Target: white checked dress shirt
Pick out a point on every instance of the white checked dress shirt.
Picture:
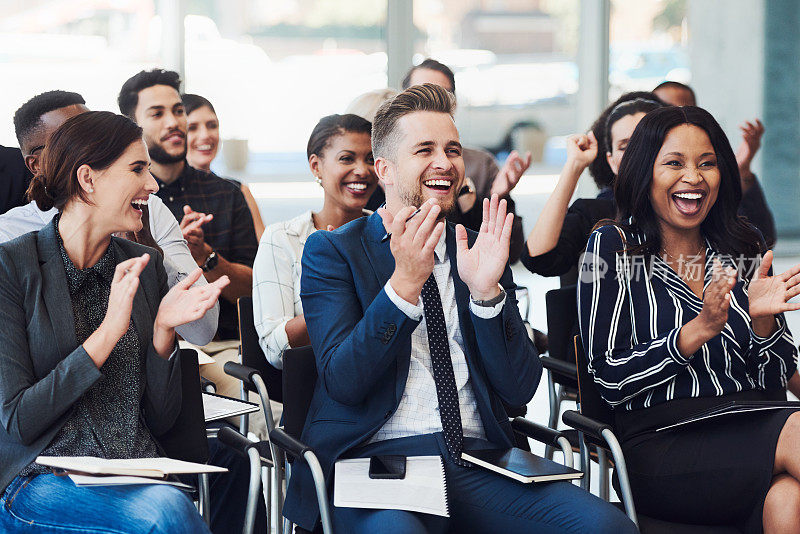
(276, 283)
(418, 411)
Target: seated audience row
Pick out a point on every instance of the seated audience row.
(405, 295)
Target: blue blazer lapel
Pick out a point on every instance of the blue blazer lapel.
(382, 262)
(379, 254)
(476, 371)
(55, 290)
(462, 291)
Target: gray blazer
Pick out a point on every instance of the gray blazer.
(43, 370)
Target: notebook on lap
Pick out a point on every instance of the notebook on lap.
(521, 465)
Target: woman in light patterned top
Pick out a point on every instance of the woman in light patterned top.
(340, 157)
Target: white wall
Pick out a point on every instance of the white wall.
(726, 41)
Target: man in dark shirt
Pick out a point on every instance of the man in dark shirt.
(14, 178)
(212, 211)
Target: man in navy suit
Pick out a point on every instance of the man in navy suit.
(418, 339)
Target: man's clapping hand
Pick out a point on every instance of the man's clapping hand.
(481, 266)
(412, 245)
(192, 229)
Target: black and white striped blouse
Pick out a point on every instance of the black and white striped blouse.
(630, 321)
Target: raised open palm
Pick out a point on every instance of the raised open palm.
(770, 295)
(481, 266)
(185, 303)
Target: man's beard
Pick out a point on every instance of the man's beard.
(159, 155)
(412, 196)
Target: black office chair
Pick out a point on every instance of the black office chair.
(562, 378)
(258, 376)
(299, 379)
(187, 440)
(595, 422)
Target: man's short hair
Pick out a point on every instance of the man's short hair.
(425, 97)
(128, 97)
(431, 64)
(670, 84)
(28, 117)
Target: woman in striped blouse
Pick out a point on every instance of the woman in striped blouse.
(680, 313)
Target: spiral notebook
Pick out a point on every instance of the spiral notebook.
(422, 490)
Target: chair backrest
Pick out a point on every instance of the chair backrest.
(252, 355)
(299, 380)
(562, 322)
(187, 440)
(591, 403)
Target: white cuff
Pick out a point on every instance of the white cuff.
(413, 312)
(486, 312)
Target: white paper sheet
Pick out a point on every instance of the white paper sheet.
(202, 357)
(217, 407)
(422, 490)
(147, 467)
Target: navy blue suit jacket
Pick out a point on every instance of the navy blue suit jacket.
(362, 343)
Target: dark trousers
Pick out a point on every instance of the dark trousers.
(482, 501)
(228, 491)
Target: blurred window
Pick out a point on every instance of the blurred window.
(87, 46)
(273, 69)
(649, 44)
(514, 62)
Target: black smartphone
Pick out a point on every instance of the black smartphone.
(387, 466)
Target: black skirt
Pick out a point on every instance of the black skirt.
(714, 472)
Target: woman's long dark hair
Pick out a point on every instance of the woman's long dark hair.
(726, 231)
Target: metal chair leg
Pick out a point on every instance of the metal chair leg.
(254, 491)
(586, 462)
(622, 474)
(322, 494)
(555, 406)
(566, 450)
(602, 479)
(205, 497)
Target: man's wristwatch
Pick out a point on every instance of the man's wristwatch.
(211, 262)
(490, 303)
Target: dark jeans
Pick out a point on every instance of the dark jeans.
(228, 491)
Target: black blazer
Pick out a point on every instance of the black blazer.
(563, 260)
(43, 370)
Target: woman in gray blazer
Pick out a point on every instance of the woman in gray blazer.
(88, 361)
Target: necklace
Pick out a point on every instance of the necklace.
(682, 258)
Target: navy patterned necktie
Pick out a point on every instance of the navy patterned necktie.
(443, 374)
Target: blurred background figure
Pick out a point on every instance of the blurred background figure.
(202, 132)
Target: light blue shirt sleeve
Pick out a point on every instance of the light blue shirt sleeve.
(178, 262)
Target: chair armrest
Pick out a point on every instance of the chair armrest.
(242, 372)
(241, 444)
(540, 433)
(207, 385)
(585, 424)
(559, 366)
(281, 439)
